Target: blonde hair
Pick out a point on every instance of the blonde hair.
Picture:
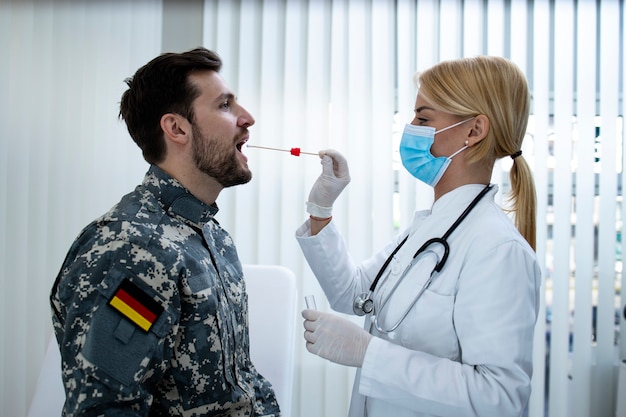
(497, 88)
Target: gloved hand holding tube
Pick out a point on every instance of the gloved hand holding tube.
(334, 338)
(334, 178)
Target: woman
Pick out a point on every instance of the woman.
(452, 302)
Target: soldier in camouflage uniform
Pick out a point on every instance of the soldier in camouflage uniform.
(149, 308)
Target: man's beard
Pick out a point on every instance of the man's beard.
(221, 164)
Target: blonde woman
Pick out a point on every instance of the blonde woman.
(451, 303)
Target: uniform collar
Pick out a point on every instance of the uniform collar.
(175, 198)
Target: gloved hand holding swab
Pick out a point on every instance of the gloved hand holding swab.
(293, 151)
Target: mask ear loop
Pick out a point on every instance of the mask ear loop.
(459, 151)
(455, 125)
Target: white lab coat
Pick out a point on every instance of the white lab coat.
(465, 349)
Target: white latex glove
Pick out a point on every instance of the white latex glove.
(335, 338)
(334, 178)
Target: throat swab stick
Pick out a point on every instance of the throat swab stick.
(293, 151)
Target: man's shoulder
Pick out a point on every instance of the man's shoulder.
(139, 207)
(138, 220)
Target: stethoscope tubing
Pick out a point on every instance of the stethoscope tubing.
(393, 290)
(443, 240)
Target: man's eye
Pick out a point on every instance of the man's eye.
(225, 105)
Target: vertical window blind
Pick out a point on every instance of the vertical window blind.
(316, 75)
(358, 66)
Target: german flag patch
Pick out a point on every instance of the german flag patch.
(136, 305)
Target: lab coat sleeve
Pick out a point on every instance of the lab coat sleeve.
(494, 315)
(340, 278)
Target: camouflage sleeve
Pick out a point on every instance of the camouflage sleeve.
(117, 336)
(266, 404)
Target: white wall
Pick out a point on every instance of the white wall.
(64, 156)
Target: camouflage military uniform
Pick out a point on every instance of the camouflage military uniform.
(151, 314)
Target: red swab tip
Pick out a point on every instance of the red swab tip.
(295, 151)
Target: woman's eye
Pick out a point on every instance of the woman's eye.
(225, 105)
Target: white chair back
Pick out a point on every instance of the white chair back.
(273, 303)
(49, 393)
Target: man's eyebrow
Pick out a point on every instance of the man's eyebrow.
(422, 108)
(225, 96)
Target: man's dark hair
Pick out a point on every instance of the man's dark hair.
(159, 87)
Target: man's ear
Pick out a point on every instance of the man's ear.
(176, 128)
(479, 129)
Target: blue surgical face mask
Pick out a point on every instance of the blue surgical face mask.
(415, 153)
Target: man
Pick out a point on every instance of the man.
(149, 307)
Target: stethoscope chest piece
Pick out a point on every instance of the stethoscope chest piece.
(363, 304)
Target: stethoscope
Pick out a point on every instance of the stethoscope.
(364, 303)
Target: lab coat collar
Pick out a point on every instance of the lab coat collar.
(453, 201)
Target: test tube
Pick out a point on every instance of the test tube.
(310, 302)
